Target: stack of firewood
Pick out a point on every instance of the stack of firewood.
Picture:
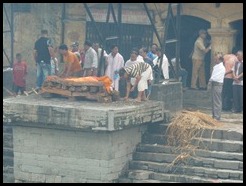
(88, 87)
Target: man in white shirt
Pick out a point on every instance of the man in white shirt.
(165, 64)
(115, 62)
(100, 54)
(216, 83)
(91, 60)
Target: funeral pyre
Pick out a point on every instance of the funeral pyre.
(93, 88)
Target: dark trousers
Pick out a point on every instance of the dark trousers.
(18, 88)
(237, 98)
(227, 95)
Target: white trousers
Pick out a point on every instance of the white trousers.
(145, 76)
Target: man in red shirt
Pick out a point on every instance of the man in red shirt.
(19, 74)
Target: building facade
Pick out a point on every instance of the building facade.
(67, 23)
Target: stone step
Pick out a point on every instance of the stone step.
(171, 178)
(184, 170)
(197, 98)
(198, 152)
(219, 133)
(141, 176)
(226, 116)
(127, 180)
(202, 143)
(190, 161)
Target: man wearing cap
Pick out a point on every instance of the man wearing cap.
(198, 69)
(91, 60)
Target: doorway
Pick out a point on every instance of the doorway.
(189, 28)
(238, 25)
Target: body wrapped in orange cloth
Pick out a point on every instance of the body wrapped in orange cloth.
(80, 81)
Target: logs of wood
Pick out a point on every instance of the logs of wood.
(88, 87)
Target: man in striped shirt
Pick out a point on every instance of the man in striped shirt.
(142, 72)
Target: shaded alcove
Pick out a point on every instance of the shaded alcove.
(238, 25)
(189, 28)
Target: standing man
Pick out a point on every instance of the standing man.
(72, 65)
(164, 67)
(42, 57)
(152, 53)
(198, 69)
(19, 74)
(75, 49)
(216, 82)
(101, 55)
(229, 62)
(90, 61)
(114, 63)
(237, 84)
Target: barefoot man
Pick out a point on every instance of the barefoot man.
(142, 72)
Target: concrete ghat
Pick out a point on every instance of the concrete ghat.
(60, 112)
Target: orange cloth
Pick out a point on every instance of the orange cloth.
(107, 82)
(70, 57)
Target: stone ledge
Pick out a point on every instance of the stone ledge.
(81, 114)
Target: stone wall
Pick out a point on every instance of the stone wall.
(7, 82)
(56, 140)
(60, 156)
(170, 94)
(8, 154)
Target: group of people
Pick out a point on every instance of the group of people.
(88, 62)
(226, 80)
(226, 84)
(134, 77)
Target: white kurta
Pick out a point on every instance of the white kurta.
(114, 65)
(164, 67)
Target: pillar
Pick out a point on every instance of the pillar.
(223, 40)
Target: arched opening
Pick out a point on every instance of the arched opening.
(238, 25)
(189, 28)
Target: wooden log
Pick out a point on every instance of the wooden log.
(72, 88)
(64, 87)
(9, 92)
(56, 91)
(104, 99)
(93, 89)
(34, 91)
(84, 88)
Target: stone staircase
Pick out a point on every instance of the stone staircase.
(218, 159)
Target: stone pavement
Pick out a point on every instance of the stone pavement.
(200, 101)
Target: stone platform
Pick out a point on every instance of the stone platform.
(78, 114)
